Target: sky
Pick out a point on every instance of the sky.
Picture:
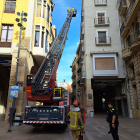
(59, 16)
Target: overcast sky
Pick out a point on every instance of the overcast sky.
(59, 16)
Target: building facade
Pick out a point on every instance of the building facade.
(35, 44)
(129, 12)
(100, 71)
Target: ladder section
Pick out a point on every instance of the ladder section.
(40, 84)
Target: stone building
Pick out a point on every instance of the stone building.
(98, 65)
(129, 12)
(35, 44)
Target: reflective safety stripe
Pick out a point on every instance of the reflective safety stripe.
(47, 122)
(75, 119)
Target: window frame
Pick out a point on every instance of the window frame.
(35, 38)
(10, 11)
(6, 44)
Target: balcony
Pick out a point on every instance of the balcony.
(134, 42)
(126, 54)
(103, 41)
(73, 68)
(122, 8)
(5, 44)
(132, 76)
(80, 58)
(73, 83)
(123, 30)
(79, 67)
(132, 12)
(81, 77)
(73, 75)
(100, 2)
(138, 32)
(82, 33)
(101, 21)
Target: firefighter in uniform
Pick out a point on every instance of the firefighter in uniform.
(76, 123)
(112, 119)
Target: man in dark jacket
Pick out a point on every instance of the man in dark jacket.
(112, 119)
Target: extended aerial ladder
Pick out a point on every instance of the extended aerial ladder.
(41, 87)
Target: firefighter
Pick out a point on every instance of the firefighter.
(76, 123)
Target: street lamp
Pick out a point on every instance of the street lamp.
(21, 28)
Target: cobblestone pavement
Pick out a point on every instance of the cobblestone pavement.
(95, 129)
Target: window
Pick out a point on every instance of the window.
(101, 18)
(37, 38)
(10, 6)
(42, 40)
(39, 1)
(44, 10)
(38, 13)
(6, 35)
(46, 41)
(102, 37)
(48, 13)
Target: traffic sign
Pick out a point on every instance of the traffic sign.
(14, 91)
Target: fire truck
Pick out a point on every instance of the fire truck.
(41, 87)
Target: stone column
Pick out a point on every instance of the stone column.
(89, 102)
(25, 65)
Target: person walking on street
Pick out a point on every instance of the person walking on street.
(76, 123)
(112, 119)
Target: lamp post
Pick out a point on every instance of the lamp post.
(21, 28)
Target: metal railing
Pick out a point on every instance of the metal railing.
(104, 40)
(122, 3)
(133, 39)
(138, 29)
(5, 43)
(100, 21)
(73, 83)
(100, 1)
(122, 28)
(10, 7)
(129, 9)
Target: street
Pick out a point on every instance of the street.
(95, 129)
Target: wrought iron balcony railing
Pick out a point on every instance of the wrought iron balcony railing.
(138, 30)
(103, 40)
(101, 21)
(122, 28)
(133, 39)
(129, 9)
(122, 3)
(5, 43)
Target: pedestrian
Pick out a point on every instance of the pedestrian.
(76, 123)
(112, 119)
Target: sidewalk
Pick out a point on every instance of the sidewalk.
(97, 129)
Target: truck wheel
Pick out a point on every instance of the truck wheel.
(64, 126)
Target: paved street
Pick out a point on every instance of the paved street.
(96, 129)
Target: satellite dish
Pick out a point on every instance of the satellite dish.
(17, 19)
(18, 13)
(25, 19)
(25, 14)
